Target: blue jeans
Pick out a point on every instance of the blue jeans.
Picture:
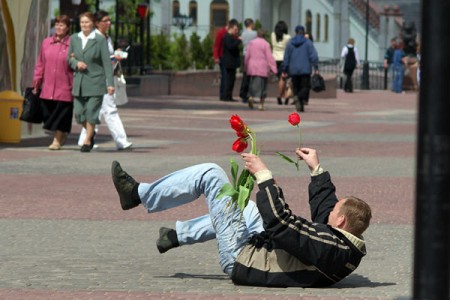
(398, 79)
(186, 185)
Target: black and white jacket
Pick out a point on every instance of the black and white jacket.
(293, 251)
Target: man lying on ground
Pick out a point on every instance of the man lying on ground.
(266, 244)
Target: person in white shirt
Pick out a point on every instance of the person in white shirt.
(109, 108)
(351, 61)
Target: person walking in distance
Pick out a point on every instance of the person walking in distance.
(280, 39)
(54, 78)
(259, 62)
(93, 76)
(109, 108)
(300, 58)
(218, 53)
(351, 60)
(388, 59)
(247, 35)
(231, 58)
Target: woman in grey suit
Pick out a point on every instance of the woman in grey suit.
(93, 76)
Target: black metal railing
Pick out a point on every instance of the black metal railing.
(377, 74)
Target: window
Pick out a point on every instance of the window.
(325, 35)
(175, 8)
(308, 24)
(218, 15)
(193, 12)
(317, 27)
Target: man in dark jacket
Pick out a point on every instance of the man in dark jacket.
(231, 59)
(266, 244)
(300, 57)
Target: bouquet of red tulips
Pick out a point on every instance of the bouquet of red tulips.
(241, 188)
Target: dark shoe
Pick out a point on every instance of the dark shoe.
(86, 148)
(298, 104)
(229, 100)
(286, 101)
(279, 101)
(244, 100)
(167, 239)
(250, 102)
(126, 186)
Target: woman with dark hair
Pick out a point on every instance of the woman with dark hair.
(54, 78)
(90, 59)
(280, 39)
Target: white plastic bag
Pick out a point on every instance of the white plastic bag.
(120, 94)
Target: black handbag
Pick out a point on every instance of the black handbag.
(31, 108)
(317, 83)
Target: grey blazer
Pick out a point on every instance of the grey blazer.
(98, 75)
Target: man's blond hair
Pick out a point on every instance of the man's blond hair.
(357, 213)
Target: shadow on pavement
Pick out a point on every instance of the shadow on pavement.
(358, 281)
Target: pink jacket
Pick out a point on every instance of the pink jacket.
(258, 58)
(52, 72)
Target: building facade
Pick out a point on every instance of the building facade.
(331, 22)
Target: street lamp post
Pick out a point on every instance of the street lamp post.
(182, 21)
(365, 75)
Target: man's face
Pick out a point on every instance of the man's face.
(234, 30)
(335, 217)
(394, 44)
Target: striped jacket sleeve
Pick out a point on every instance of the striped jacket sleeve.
(312, 243)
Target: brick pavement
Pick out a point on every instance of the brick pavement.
(64, 235)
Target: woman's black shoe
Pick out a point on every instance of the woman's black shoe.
(279, 101)
(286, 101)
(86, 148)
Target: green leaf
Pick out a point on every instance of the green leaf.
(234, 171)
(244, 195)
(286, 158)
(227, 190)
(243, 178)
(250, 183)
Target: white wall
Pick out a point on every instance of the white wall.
(358, 33)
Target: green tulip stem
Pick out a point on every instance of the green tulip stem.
(253, 142)
(299, 136)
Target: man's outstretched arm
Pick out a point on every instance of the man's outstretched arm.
(322, 192)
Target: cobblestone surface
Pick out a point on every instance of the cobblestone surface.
(64, 235)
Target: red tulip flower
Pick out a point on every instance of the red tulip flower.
(294, 119)
(240, 145)
(237, 124)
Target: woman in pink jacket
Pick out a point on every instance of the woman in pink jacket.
(258, 64)
(53, 77)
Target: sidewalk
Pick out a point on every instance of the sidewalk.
(64, 235)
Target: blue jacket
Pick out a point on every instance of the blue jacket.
(300, 56)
